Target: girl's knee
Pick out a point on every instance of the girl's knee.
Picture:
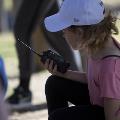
(50, 81)
(51, 84)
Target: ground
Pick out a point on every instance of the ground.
(37, 115)
(37, 88)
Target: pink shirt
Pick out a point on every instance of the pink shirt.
(103, 79)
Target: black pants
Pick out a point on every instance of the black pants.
(60, 91)
(25, 23)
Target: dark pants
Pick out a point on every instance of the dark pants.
(26, 20)
(60, 91)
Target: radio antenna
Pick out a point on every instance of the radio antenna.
(29, 48)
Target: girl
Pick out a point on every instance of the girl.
(95, 94)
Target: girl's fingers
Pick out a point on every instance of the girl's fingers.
(55, 69)
(51, 65)
(47, 64)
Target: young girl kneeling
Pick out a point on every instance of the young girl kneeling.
(96, 93)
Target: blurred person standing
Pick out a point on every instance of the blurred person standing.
(25, 23)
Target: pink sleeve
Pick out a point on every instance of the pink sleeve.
(110, 79)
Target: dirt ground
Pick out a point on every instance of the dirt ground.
(37, 88)
(37, 115)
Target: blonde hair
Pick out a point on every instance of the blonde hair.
(96, 36)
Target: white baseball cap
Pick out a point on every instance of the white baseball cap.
(76, 12)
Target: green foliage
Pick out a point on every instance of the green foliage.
(8, 53)
(7, 45)
(8, 4)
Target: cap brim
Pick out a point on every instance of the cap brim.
(56, 23)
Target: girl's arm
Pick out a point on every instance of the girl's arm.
(112, 109)
(72, 75)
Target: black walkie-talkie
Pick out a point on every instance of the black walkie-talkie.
(62, 65)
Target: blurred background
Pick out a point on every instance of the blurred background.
(8, 12)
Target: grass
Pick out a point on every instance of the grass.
(7, 45)
(8, 53)
(8, 4)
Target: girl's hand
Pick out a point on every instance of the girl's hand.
(71, 75)
(52, 67)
